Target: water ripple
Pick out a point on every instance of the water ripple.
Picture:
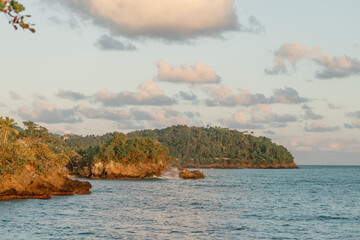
(308, 203)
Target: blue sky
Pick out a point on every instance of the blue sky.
(288, 70)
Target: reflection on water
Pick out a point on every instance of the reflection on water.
(306, 203)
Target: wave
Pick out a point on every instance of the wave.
(170, 173)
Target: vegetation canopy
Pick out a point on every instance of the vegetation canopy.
(121, 149)
(15, 156)
(199, 146)
(33, 147)
(13, 11)
(7, 127)
(192, 147)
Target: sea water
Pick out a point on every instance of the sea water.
(313, 202)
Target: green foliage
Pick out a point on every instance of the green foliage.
(13, 9)
(15, 156)
(132, 150)
(34, 131)
(80, 143)
(217, 145)
(7, 128)
(121, 149)
(34, 146)
(37, 133)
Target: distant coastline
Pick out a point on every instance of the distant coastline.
(239, 166)
(36, 163)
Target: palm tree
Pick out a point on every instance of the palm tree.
(7, 127)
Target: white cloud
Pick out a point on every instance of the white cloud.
(309, 114)
(161, 19)
(14, 95)
(197, 73)
(188, 96)
(102, 113)
(333, 106)
(223, 96)
(356, 122)
(311, 143)
(71, 95)
(148, 93)
(320, 127)
(157, 118)
(269, 132)
(330, 66)
(256, 117)
(291, 53)
(48, 113)
(337, 67)
(108, 43)
(287, 96)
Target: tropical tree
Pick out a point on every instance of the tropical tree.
(7, 128)
(13, 11)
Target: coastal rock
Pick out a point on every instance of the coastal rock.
(196, 174)
(118, 170)
(29, 184)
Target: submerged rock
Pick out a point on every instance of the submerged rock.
(196, 174)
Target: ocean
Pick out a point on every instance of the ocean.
(312, 202)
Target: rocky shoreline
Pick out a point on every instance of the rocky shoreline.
(120, 171)
(29, 184)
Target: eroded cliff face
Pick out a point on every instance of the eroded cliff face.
(116, 170)
(29, 184)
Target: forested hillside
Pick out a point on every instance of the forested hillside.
(219, 147)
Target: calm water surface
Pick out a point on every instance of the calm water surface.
(306, 203)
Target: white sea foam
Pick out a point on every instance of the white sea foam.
(171, 173)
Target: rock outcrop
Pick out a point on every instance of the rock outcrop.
(124, 158)
(29, 184)
(196, 174)
(118, 170)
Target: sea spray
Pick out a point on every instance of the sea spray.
(171, 173)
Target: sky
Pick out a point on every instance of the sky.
(287, 70)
